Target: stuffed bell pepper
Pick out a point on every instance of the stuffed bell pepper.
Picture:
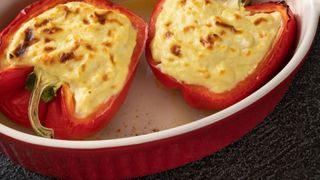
(217, 52)
(66, 65)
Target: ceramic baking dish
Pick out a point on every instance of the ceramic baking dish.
(155, 130)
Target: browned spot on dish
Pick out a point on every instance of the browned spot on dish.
(107, 44)
(77, 11)
(183, 2)
(259, 21)
(207, 2)
(176, 50)
(225, 25)
(67, 11)
(28, 40)
(188, 28)
(83, 67)
(222, 72)
(11, 56)
(52, 30)
(85, 21)
(66, 57)
(47, 40)
(89, 47)
(167, 24)
(222, 33)
(247, 52)
(28, 35)
(209, 40)
(105, 77)
(209, 25)
(168, 34)
(101, 18)
(42, 23)
(110, 33)
(237, 16)
(112, 59)
(49, 49)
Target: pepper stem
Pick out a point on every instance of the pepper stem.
(33, 109)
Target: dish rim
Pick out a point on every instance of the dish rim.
(301, 51)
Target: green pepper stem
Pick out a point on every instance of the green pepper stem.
(33, 109)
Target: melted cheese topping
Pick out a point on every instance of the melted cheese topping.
(78, 44)
(211, 44)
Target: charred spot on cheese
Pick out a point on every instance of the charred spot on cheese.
(259, 21)
(49, 49)
(107, 44)
(112, 59)
(52, 30)
(83, 67)
(188, 28)
(104, 18)
(229, 42)
(183, 2)
(101, 17)
(168, 24)
(237, 16)
(85, 21)
(168, 34)
(80, 45)
(11, 56)
(225, 25)
(28, 40)
(209, 40)
(89, 47)
(67, 11)
(66, 57)
(47, 40)
(105, 77)
(42, 23)
(176, 50)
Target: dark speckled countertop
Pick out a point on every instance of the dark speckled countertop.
(285, 146)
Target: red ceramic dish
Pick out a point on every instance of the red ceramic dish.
(178, 142)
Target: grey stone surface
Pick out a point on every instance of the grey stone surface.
(285, 146)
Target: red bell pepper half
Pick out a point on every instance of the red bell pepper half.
(57, 118)
(201, 97)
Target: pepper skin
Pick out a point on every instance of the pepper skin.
(59, 114)
(201, 97)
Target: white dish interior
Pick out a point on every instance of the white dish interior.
(152, 111)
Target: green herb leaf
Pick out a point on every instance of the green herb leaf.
(31, 80)
(48, 94)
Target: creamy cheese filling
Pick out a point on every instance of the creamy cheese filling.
(80, 45)
(210, 43)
